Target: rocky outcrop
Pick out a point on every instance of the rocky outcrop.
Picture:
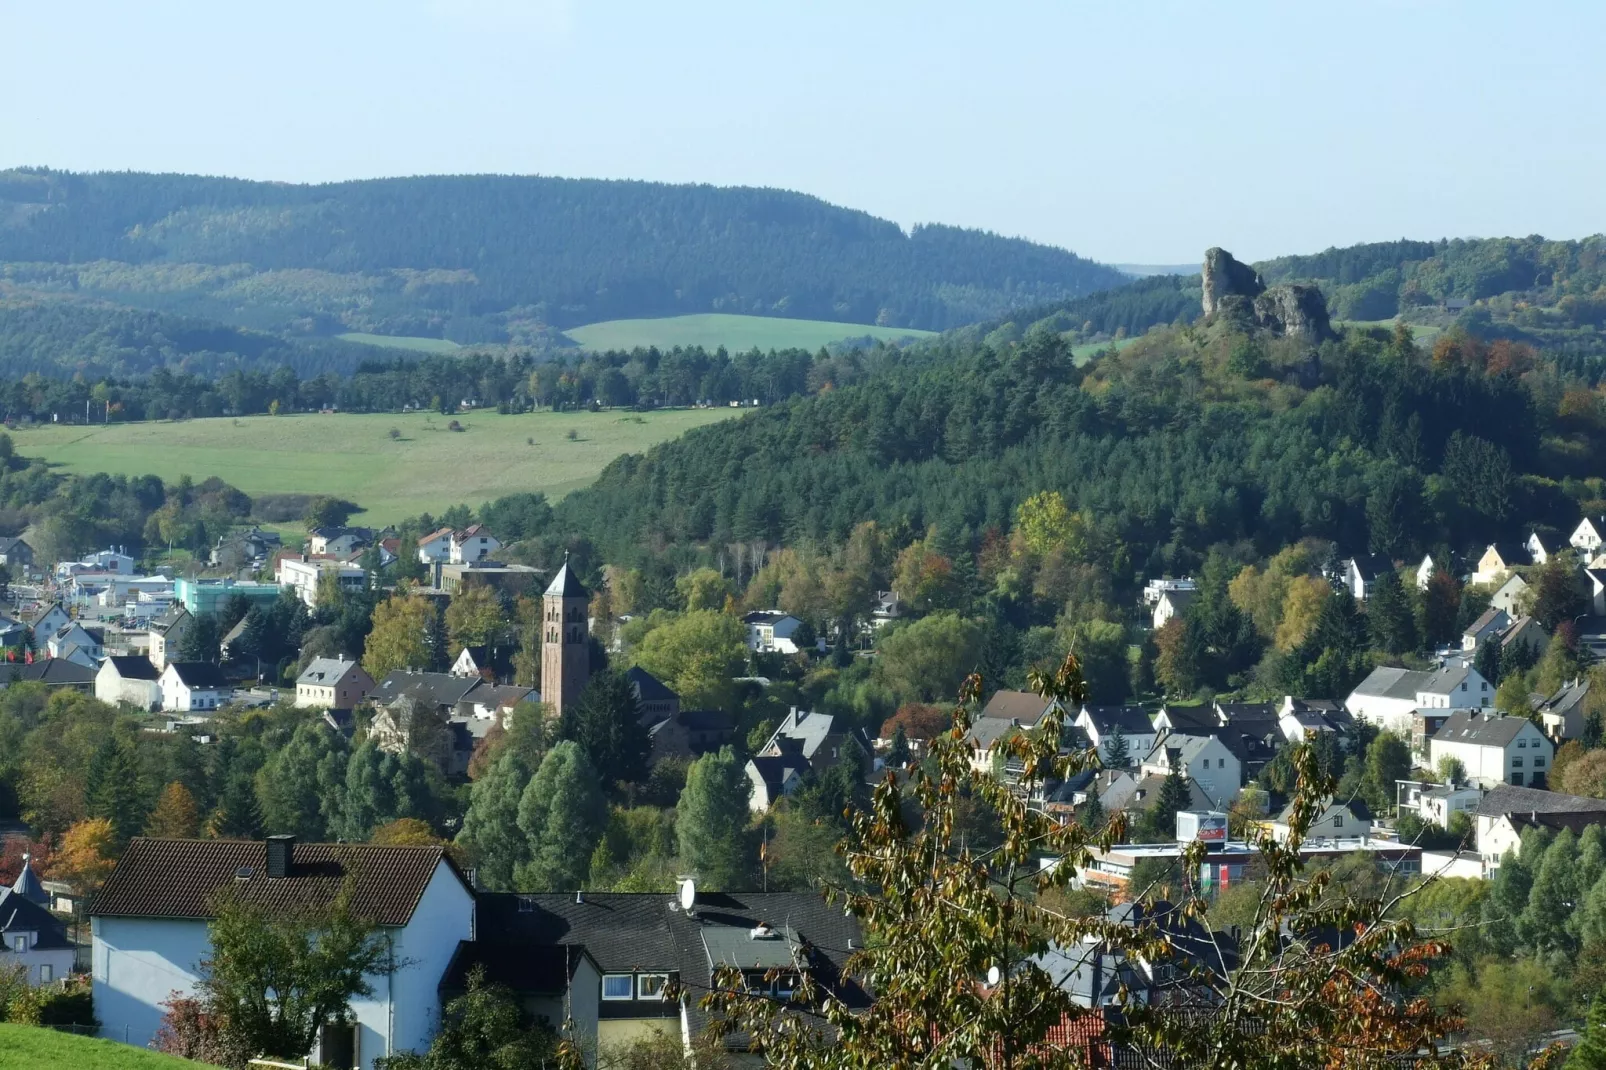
(1224, 276)
(1234, 289)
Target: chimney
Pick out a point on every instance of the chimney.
(281, 855)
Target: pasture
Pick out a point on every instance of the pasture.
(424, 468)
(399, 341)
(737, 334)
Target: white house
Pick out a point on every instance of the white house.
(1425, 571)
(193, 686)
(130, 680)
(337, 542)
(149, 927)
(1436, 803)
(1563, 713)
(1589, 535)
(50, 621)
(1337, 820)
(1508, 593)
(1537, 549)
(1488, 626)
(1301, 719)
(1595, 583)
(1494, 749)
(1203, 759)
(1155, 588)
(770, 631)
(1498, 561)
(435, 547)
(30, 936)
(472, 544)
(1134, 723)
(166, 633)
(1172, 602)
(332, 683)
(1508, 810)
(1389, 696)
(805, 742)
(303, 575)
(77, 644)
(1360, 573)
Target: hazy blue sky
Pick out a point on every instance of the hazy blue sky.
(1124, 130)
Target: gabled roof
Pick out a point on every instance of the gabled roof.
(132, 668)
(54, 672)
(438, 533)
(1354, 806)
(178, 878)
(1188, 748)
(1134, 720)
(1511, 553)
(18, 914)
(172, 616)
(648, 687)
(1567, 697)
(1371, 566)
(775, 770)
(1512, 799)
(567, 584)
(1239, 712)
(440, 688)
(1022, 706)
(804, 730)
(1480, 730)
(1405, 684)
(1190, 719)
(323, 672)
(198, 675)
(1489, 618)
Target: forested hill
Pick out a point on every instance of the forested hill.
(491, 253)
(1182, 440)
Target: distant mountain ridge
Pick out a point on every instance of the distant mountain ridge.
(493, 258)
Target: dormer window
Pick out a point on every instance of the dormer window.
(618, 986)
(19, 944)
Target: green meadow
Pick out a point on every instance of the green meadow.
(738, 334)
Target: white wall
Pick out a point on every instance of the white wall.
(1218, 774)
(138, 964)
(444, 916)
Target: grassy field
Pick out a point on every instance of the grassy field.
(426, 469)
(398, 341)
(737, 334)
(25, 1047)
(1084, 352)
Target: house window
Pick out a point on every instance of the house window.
(1463, 686)
(1516, 763)
(1539, 763)
(1338, 821)
(786, 984)
(618, 986)
(19, 944)
(1522, 743)
(651, 985)
(46, 973)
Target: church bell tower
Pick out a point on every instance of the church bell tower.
(565, 640)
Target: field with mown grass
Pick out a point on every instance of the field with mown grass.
(425, 468)
(737, 334)
(26, 1047)
(401, 341)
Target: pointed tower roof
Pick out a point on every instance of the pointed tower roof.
(566, 583)
(27, 885)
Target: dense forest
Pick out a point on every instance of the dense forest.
(500, 258)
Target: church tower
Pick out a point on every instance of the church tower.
(565, 640)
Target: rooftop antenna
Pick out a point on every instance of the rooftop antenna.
(688, 895)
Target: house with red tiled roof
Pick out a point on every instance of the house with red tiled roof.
(149, 926)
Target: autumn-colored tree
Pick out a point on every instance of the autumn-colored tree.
(176, 816)
(918, 720)
(474, 618)
(399, 639)
(703, 588)
(924, 578)
(1176, 660)
(1303, 603)
(406, 832)
(87, 856)
(1046, 524)
(1583, 775)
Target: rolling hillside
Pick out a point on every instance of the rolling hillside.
(500, 258)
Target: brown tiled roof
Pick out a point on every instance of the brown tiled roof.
(178, 878)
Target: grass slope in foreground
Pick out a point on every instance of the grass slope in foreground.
(738, 334)
(401, 341)
(24, 1047)
(352, 456)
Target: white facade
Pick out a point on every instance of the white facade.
(138, 963)
(472, 544)
(180, 697)
(1207, 762)
(1171, 604)
(772, 632)
(1336, 821)
(1589, 535)
(1536, 546)
(303, 577)
(1424, 572)
(1506, 596)
(1389, 697)
(1525, 759)
(1137, 743)
(113, 688)
(43, 965)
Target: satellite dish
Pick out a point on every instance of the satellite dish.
(688, 894)
(993, 976)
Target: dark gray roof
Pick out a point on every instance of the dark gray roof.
(1511, 799)
(19, 914)
(325, 671)
(1405, 684)
(440, 688)
(1371, 566)
(1023, 706)
(53, 672)
(567, 584)
(1567, 697)
(1238, 712)
(133, 668)
(1134, 720)
(1512, 553)
(29, 886)
(987, 731)
(1190, 719)
(199, 674)
(648, 687)
(1483, 730)
(1487, 619)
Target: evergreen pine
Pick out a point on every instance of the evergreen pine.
(303, 782)
(202, 640)
(1116, 749)
(1174, 798)
(562, 815)
(237, 816)
(1092, 814)
(1487, 662)
(112, 788)
(711, 820)
(898, 750)
(606, 723)
(1590, 1054)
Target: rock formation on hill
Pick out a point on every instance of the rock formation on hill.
(1294, 310)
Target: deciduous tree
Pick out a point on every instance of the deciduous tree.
(711, 821)
(562, 815)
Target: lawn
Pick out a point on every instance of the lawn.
(400, 341)
(425, 469)
(738, 334)
(24, 1047)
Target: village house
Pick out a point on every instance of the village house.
(16, 555)
(691, 734)
(1425, 571)
(1134, 723)
(332, 683)
(166, 633)
(1155, 588)
(1335, 819)
(655, 699)
(51, 673)
(804, 743)
(1509, 594)
(1435, 803)
(1595, 584)
(1097, 974)
(341, 542)
(887, 608)
(1488, 626)
(1499, 560)
(1301, 719)
(1493, 749)
(1508, 810)
(193, 687)
(1171, 602)
(483, 663)
(1360, 573)
(511, 580)
(149, 926)
(1389, 696)
(449, 546)
(770, 631)
(1563, 712)
(305, 575)
(76, 643)
(1539, 547)
(1589, 535)
(131, 681)
(1205, 760)
(31, 938)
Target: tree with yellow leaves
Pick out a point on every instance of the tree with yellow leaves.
(176, 816)
(87, 855)
(400, 636)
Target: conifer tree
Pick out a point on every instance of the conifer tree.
(1590, 1054)
(562, 814)
(175, 816)
(606, 722)
(300, 787)
(237, 816)
(1174, 798)
(1116, 749)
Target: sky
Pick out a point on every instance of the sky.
(1131, 131)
